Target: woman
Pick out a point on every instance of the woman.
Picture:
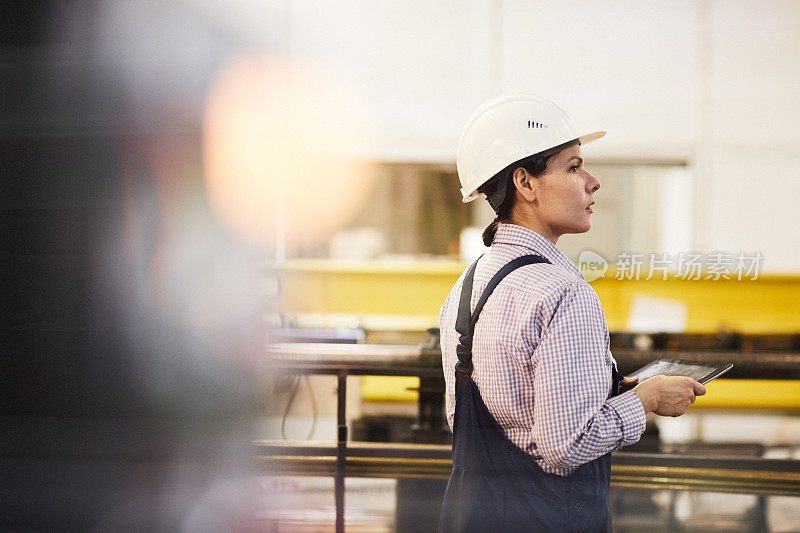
(535, 402)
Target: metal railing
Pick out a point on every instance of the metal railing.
(344, 458)
(633, 470)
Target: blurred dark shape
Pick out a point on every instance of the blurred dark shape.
(126, 357)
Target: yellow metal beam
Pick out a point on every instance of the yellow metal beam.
(762, 394)
(414, 288)
(408, 294)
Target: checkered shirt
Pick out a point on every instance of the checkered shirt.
(541, 357)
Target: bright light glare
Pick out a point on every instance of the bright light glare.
(281, 151)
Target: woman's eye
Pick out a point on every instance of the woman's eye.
(574, 168)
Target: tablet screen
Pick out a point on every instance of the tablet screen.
(698, 371)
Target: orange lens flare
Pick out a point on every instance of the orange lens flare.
(283, 151)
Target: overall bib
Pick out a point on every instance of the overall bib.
(496, 486)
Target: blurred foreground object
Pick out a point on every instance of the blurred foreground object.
(128, 315)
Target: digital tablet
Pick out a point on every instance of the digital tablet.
(697, 370)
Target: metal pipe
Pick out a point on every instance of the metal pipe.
(341, 448)
(649, 471)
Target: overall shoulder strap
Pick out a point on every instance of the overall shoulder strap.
(466, 320)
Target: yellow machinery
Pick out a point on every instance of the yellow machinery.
(406, 296)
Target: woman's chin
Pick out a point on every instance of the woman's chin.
(583, 228)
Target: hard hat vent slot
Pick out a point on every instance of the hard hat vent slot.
(534, 124)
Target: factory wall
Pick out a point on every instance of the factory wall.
(711, 84)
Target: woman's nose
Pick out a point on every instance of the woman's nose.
(592, 183)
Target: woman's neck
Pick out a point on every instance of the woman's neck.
(530, 221)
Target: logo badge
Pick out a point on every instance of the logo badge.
(592, 265)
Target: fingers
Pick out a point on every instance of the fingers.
(699, 389)
(669, 396)
(680, 407)
(678, 394)
(627, 384)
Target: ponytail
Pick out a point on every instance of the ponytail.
(488, 233)
(504, 209)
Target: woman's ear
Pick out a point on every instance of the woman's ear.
(525, 184)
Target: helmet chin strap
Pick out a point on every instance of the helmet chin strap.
(497, 198)
(533, 164)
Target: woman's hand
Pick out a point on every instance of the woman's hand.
(668, 395)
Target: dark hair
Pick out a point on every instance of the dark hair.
(535, 168)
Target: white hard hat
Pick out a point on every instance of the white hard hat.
(505, 130)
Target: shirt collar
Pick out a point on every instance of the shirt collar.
(520, 236)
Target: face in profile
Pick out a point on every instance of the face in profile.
(564, 194)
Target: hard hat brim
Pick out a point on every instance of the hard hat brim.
(591, 137)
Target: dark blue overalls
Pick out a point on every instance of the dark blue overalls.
(494, 485)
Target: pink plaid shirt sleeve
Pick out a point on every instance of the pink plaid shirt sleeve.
(541, 357)
(574, 421)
